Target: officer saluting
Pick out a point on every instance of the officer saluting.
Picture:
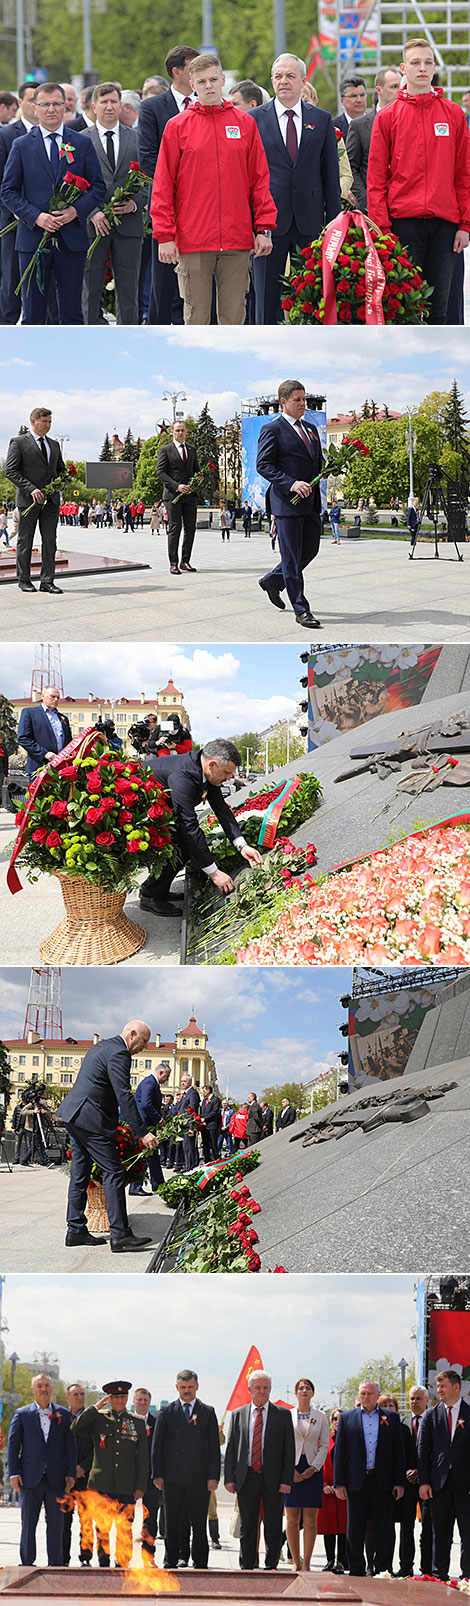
(120, 1467)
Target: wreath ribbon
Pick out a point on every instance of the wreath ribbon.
(79, 747)
(272, 816)
(334, 237)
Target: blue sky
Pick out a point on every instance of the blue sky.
(284, 1026)
(110, 378)
(227, 689)
(326, 1327)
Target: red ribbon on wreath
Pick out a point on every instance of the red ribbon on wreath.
(79, 746)
(334, 237)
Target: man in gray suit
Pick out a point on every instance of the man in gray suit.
(32, 462)
(259, 1466)
(116, 148)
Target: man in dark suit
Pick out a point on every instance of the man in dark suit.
(10, 308)
(35, 171)
(369, 1471)
(148, 1098)
(387, 84)
(406, 1510)
(151, 1499)
(353, 97)
(187, 1104)
(259, 1466)
(32, 461)
(254, 1125)
(286, 1115)
(85, 118)
(41, 1466)
(210, 1114)
(302, 155)
(186, 1466)
(444, 1471)
(43, 731)
(100, 1095)
(176, 464)
(289, 457)
(268, 1119)
(76, 1401)
(190, 777)
(165, 305)
(116, 148)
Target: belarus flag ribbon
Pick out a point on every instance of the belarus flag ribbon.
(333, 239)
(272, 816)
(79, 747)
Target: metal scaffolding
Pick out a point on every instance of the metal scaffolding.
(367, 982)
(47, 667)
(44, 1006)
(393, 22)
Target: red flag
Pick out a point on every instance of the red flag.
(240, 1394)
(313, 56)
(449, 1336)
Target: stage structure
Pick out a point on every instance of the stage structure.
(383, 1023)
(373, 34)
(253, 414)
(44, 1006)
(349, 685)
(47, 667)
(443, 1329)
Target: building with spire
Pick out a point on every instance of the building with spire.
(125, 711)
(33, 1058)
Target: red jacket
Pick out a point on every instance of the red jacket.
(419, 161)
(211, 184)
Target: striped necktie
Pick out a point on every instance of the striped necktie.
(257, 1443)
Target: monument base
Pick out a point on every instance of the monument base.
(91, 1583)
(68, 565)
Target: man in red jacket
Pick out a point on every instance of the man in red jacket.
(418, 179)
(211, 204)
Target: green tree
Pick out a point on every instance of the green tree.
(7, 725)
(277, 748)
(293, 1091)
(248, 745)
(147, 483)
(127, 454)
(106, 453)
(205, 439)
(383, 1371)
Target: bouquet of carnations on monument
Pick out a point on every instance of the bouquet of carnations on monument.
(259, 816)
(58, 484)
(71, 187)
(349, 276)
(135, 181)
(93, 819)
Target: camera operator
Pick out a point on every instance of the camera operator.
(18, 1122)
(36, 1115)
(107, 730)
(189, 778)
(169, 736)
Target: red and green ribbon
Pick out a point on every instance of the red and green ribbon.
(272, 816)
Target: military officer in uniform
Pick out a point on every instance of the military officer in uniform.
(119, 1472)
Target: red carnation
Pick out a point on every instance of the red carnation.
(288, 303)
(75, 178)
(254, 1262)
(339, 133)
(53, 840)
(19, 817)
(68, 773)
(345, 312)
(156, 811)
(93, 816)
(59, 810)
(125, 817)
(105, 839)
(155, 838)
(71, 470)
(134, 847)
(40, 835)
(134, 167)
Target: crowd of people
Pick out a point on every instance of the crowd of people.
(225, 213)
(354, 1478)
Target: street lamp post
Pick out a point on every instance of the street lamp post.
(410, 411)
(174, 396)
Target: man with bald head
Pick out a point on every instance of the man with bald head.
(43, 731)
(91, 1111)
(302, 155)
(369, 1472)
(41, 1467)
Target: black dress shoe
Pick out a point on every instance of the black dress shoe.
(308, 621)
(129, 1246)
(135, 1237)
(273, 594)
(74, 1239)
(169, 910)
(26, 585)
(174, 568)
(187, 568)
(51, 587)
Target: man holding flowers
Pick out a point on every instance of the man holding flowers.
(37, 170)
(32, 462)
(116, 149)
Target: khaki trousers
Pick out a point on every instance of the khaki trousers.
(232, 276)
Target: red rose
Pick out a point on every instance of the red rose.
(19, 817)
(254, 1262)
(105, 839)
(93, 816)
(361, 314)
(343, 286)
(68, 772)
(53, 840)
(155, 837)
(134, 167)
(75, 178)
(94, 781)
(156, 811)
(122, 786)
(355, 265)
(40, 835)
(255, 1208)
(306, 307)
(125, 817)
(345, 312)
(134, 847)
(59, 810)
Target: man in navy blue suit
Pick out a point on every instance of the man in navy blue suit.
(155, 112)
(100, 1096)
(369, 1472)
(9, 303)
(148, 1099)
(444, 1471)
(41, 1466)
(43, 731)
(35, 170)
(302, 155)
(289, 457)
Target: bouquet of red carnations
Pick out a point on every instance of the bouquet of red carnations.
(347, 276)
(71, 187)
(135, 181)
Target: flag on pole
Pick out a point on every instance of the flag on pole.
(313, 56)
(240, 1394)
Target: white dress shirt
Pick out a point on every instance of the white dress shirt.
(103, 133)
(283, 119)
(58, 135)
(455, 1409)
(38, 439)
(253, 1417)
(45, 1420)
(180, 99)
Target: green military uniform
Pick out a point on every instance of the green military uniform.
(120, 1466)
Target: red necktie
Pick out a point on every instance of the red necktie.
(305, 437)
(292, 144)
(184, 453)
(186, 102)
(257, 1444)
(416, 1428)
(449, 1423)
